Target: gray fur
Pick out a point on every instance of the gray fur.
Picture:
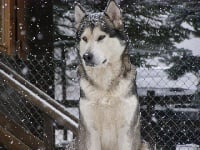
(126, 74)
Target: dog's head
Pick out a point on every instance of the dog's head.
(102, 39)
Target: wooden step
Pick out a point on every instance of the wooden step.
(10, 141)
(11, 133)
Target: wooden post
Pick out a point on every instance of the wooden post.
(49, 136)
(9, 26)
(21, 41)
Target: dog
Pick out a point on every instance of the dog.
(109, 107)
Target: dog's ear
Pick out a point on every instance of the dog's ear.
(79, 14)
(114, 13)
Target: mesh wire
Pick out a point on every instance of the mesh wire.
(167, 120)
(170, 115)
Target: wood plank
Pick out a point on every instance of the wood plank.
(20, 132)
(10, 141)
(1, 23)
(9, 26)
(21, 40)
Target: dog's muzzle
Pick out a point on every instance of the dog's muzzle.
(90, 60)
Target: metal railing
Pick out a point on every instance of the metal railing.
(42, 106)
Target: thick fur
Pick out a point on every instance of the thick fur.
(109, 108)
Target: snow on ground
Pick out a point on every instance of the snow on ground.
(60, 140)
(193, 44)
(187, 147)
(157, 80)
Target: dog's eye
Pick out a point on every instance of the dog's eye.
(101, 37)
(84, 38)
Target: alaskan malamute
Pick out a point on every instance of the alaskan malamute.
(109, 108)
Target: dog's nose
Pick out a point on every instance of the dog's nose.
(88, 57)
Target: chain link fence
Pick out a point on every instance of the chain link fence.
(170, 108)
(170, 115)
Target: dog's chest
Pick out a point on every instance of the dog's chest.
(109, 111)
(105, 108)
(107, 118)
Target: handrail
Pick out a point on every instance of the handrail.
(36, 90)
(39, 100)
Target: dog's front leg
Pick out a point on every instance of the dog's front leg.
(91, 141)
(124, 139)
(91, 135)
(94, 140)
